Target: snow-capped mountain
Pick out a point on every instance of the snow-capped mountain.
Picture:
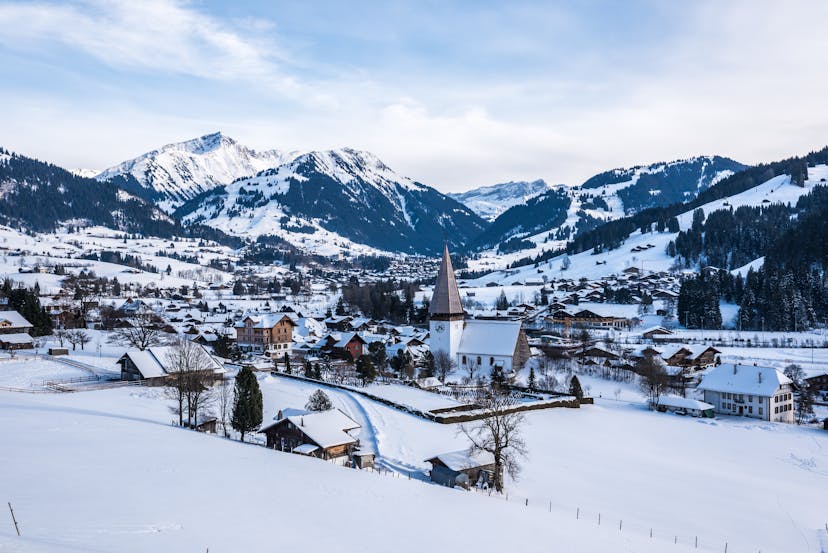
(178, 172)
(549, 220)
(491, 201)
(337, 198)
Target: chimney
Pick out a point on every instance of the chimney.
(302, 421)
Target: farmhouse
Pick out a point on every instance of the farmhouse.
(271, 334)
(691, 355)
(155, 364)
(462, 468)
(745, 390)
(326, 434)
(471, 343)
(14, 331)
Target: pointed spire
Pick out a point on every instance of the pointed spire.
(446, 299)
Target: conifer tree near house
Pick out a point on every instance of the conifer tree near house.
(247, 403)
(575, 387)
(531, 381)
(319, 401)
(288, 370)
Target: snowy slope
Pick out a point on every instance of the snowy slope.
(336, 197)
(105, 471)
(491, 201)
(776, 190)
(604, 197)
(85, 173)
(177, 172)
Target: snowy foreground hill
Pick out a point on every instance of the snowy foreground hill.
(105, 471)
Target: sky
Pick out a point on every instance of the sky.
(452, 94)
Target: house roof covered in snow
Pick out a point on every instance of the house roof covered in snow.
(490, 337)
(463, 459)
(684, 403)
(16, 338)
(744, 379)
(325, 428)
(156, 362)
(14, 319)
(268, 320)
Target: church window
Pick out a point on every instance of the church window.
(464, 359)
(491, 360)
(478, 360)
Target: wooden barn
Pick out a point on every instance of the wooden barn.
(462, 468)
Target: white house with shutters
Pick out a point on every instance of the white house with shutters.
(749, 391)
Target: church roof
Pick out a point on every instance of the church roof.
(446, 297)
(481, 337)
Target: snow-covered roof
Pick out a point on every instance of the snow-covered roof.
(14, 318)
(268, 320)
(464, 459)
(684, 403)
(489, 337)
(325, 428)
(155, 362)
(16, 338)
(305, 449)
(744, 379)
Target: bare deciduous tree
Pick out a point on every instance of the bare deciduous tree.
(143, 332)
(443, 364)
(190, 380)
(77, 337)
(500, 436)
(654, 378)
(224, 398)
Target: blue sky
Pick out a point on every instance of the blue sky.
(454, 94)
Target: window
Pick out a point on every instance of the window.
(760, 411)
(776, 409)
(491, 360)
(478, 360)
(750, 410)
(750, 399)
(464, 359)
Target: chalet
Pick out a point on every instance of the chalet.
(157, 363)
(462, 468)
(341, 323)
(691, 355)
(270, 334)
(326, 434)
(587, 319)
(12, 322)
(818, 382)
(350, 344)
(132, 306)
(750, 391)
(14, 331)
(656, 330)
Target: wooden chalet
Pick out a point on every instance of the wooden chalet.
(325, 434)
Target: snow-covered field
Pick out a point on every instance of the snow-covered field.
(105, 471)
(27, 373)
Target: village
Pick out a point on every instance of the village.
(331, 378)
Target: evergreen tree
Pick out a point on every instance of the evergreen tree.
(502, 304)
(365, 369)
(575, 387)
(498, 378)
(531, 382)
(427, 365)
(247, 403)
(288, 370)
(308, 369)
(319, 401)
(238, 288)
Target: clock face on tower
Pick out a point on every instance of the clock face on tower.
(439, 327)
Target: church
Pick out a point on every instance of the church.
(480, 345)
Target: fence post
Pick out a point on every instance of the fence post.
(527, 504)
(697, 542)
(599, 519)
(651, 533)
(621, 524)
(725, 547)
(14, 520)
(578, 513)
(550, 506)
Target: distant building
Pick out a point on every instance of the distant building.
(746, 390)
(270, 334)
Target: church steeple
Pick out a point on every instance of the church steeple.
(445, 302)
